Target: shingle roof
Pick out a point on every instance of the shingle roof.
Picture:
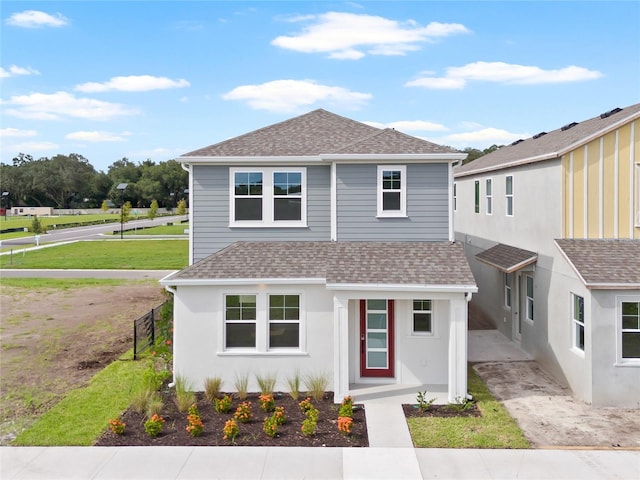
(552, 144)
(362, 263)
(507, 258)
(315, 133)
(604, 263)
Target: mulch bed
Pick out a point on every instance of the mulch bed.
(412, 411)
(251, 434)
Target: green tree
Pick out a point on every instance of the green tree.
(153, 209)
(182, 206)
(36, 226)
(125, 212)
(105, 206)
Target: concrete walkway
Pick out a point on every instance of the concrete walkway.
(282, 463)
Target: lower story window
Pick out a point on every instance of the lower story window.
(284, 321)
(507, 290)
(422, 317)
(240, 321)
(529, 286)
(630, 330)
(577, 307)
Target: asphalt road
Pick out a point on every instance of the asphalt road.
(90, 232)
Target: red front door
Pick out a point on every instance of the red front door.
(376, 338)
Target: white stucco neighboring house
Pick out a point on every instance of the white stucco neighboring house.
(551, 228)
(321, 245)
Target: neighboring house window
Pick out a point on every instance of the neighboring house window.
(268, 197)
(477, 196)
(284, 321)
(529, 282)
(392, 191)
(630, 331)
(509, 195)
(422, 317)
(455, 197)
(577, 316)
(489, 196)
(507, 290)
(240, 321)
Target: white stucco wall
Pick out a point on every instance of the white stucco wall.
(198, 342)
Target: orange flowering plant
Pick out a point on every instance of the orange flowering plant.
(195, 426)
(230, 430)
(243, 412)
(153, 426)
(117, 426)
(267, 403)
(345, 424)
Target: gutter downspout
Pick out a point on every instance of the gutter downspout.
(188, 168)
(173, 291)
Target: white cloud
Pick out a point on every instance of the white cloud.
(289, 95)
(132, 83)
(481, 138)
(42, 106)
(36, 19)
(14, 132)
(500, 72)
(14, 70)
(97, 136)
(411, 126)
(347, 36)
(34, 147)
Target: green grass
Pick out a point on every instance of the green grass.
(84, 413)
(494, 429)
(18, 222)
(159, 230)
(33, 283)
(106, 254)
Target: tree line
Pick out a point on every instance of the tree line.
(70, 181)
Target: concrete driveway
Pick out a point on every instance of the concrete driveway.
(546, 411)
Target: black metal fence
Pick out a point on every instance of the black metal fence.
(144, 331)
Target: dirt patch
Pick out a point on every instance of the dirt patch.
(549, 415)
(251, 434)
(55, 340)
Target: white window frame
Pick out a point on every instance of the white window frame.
(262, 323)
(418, 333)
(268, 198)
(577, 323)
(508, 195)
(455, 197)
(402, 212)
(621, 361)
(476, 196)
(529, 307)
(271, 321)
(508, 281)
(226, 322)
(488, 192)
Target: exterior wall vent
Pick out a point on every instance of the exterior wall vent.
(568, 126)
(517, 142)
(539, 135)
(610, 112)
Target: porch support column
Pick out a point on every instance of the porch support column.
(457, 348)
(341, 348)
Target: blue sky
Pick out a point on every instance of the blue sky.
(156, 79)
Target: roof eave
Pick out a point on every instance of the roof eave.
(404, 287)
(512, 268)
(204, 160)
(195, 282)
(612, 286)
(393, 157)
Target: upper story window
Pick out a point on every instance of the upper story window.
(509, 195)
(489, 195)
(268, 197)
(477, 196)
(392, 191)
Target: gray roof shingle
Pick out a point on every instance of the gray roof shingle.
(604, 263)
(315, 133)
(363, 263)
(550, 145)
(507, 258)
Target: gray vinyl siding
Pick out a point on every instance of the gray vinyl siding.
(427, 205)
(211, 230)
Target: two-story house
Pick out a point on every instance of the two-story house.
(551, 229)
(322, 245)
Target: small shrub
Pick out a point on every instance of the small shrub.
(266, 383)
(278, 414)
(316, 385)
(345, 424)
(267, 403)
(309, 427)
(153, 426)
(184, 396)
(461, 404)
(306, 405)
(346, 408)
(141, 399)
(212, 388)
(294, 385)
(195, 426)
(230, 430)
(270, 426)
(243, 412)
(117, 426)
(242, 385)
(222, 405)
(423, 402)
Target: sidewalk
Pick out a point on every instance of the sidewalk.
(282, 463)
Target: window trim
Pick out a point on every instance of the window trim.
(621, 361)
(414, 332)
(529, 300)
(403, 192)
(488, 195)
(577, 324)
(508, 196)
(477, 196)
(455, 196)
(225, 322)
(268, 198)
(508, 290)
(270, 321)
